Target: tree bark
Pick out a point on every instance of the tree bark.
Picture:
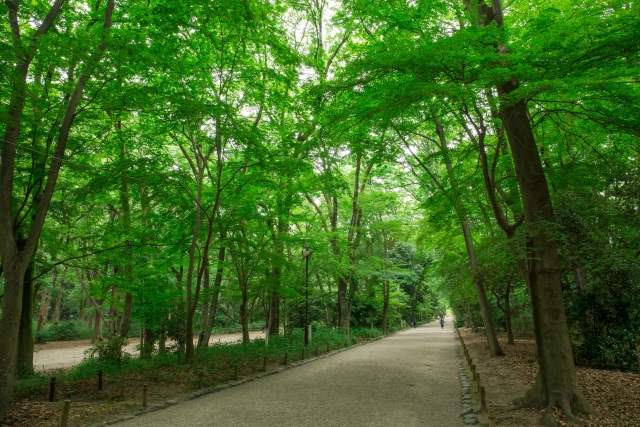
(204, 307)
(147, 344)
(385, 306)
(507, 314)
(97, 329)
(24, 359)
(43, 308)
(217, 282)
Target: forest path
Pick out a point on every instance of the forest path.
(407, 379)
(70, 355)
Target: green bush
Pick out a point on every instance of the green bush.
(110, 350)
(67, 330)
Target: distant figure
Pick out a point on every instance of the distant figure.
(414, 322)
(442, 322)
(263, 328)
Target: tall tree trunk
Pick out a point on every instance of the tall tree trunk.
(204, 307)
(217, 282)
(244, 315)
(24, 359)
(14, 261)
(44, 307)
(386, 286)
(125, 208)
(556, 384)
(507, 314)
(55, 317)
(147, 344)
(97, 329)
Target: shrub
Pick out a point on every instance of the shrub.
(109, 350)
(67, 330)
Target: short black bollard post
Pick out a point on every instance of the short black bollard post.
(145, 395)
(200, 379)
(264, 363)
(52, 389)
(286, 358)
(100, 379)
(316, 355)
(64, 422)
(328, 347)
(302, 354)
(235, 374)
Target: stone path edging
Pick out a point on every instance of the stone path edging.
(215, 389)
(467, 414)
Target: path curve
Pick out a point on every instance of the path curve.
(407, 379)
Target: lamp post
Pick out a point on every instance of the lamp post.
(306, 254)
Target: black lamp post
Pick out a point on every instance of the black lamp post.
(306, 254)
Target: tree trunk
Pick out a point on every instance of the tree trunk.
(147, 345)
(217, 282)
(385, 307)
(24, 359)
(489, 327)
(125, 208)
(97, 329)
(55, 318)
(162, 341)
(507, 314)
(244, 318)
(204, 308)
(556, 384)
(43, 308)
(580, 276)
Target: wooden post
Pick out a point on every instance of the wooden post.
(478, 378)
(316, 355)
(235, 372)
(638, 356)
(264, 363)
(100, 379)
(52, 389)
(473, 371)
(483, 402)
(492, 418)
(200, 379)
(328, 347)
(286, 358)
(302, 354)
(64, 422)
(145, 395)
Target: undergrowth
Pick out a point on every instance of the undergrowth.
(216, 361)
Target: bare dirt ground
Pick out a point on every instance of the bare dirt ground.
(616, 395)
(66, 354)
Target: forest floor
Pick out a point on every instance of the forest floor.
(66, 354)
(616, 395)
(409, 378)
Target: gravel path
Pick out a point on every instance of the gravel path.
(45, 359)
(408, 379)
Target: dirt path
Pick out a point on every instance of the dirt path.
(70, 353)
(408, 379)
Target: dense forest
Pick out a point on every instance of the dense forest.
(172, 168)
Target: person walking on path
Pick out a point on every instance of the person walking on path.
(414, 322)
(442, 322)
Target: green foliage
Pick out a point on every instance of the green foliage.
(66, 330)
(109, 351)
